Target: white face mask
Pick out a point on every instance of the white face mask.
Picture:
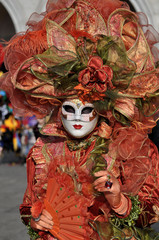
(78, 119)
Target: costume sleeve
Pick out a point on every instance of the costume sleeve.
(140, 177)
(149, 192)
(28, 196)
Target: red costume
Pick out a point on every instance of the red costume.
(135, 167)
(97, 53)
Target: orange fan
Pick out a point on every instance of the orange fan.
(66, 213)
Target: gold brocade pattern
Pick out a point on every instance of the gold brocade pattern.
(74, 145)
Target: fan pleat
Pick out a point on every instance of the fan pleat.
(76, 220)
(53, 213)
(72, 229)
(68, 208)
(52, 189)
(65, 211)
(66, 234)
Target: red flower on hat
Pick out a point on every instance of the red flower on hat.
(96, 75)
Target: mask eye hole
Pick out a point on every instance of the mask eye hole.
(69, 109)
(87, 110)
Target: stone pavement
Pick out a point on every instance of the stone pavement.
(13, 185)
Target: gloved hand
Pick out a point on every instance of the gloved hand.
(44, 222)
(109, 185)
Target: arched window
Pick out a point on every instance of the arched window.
(7, 29)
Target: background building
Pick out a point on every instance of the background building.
(15, 13)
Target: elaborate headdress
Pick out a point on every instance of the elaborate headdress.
(99, 51)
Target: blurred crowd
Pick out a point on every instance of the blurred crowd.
(17, 134)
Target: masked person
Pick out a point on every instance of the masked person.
(94, 172)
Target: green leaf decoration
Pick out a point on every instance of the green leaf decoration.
(113, 53)
(53, 56)
(95, 161)
(146, 234)
(99, 163)
(45, 77)
(121, 118)
(62, 69)
(85, 50)
(32, 233)
(102, 106)
(148, 106)
(108, 231)
(67, 83)
(132, 217)
(58, 64)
